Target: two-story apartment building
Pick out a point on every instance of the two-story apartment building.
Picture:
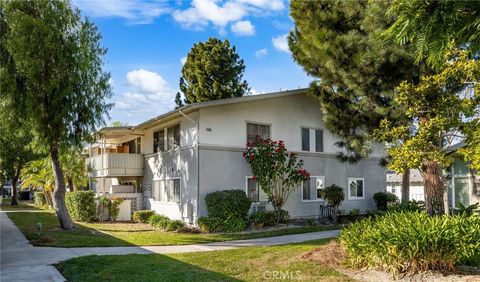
(177, 158)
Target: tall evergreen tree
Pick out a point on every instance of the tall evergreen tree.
(51, 67)
(213, 70)
(339, 43)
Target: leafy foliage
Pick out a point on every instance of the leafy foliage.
(468, 210)
(114, 207)
(275, 169)
(209, 224)
(339, 43)
(142, 216)
(159, 221)
(384, 199)
(386, 242)
(39, 199)
(408, 206)
(434, 28)
(268, 218)
(213, 70)
(228, 204)
(81, 205)
(175, 225)
(333, 195)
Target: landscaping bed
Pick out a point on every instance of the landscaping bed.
(250, 264)
(98, 234)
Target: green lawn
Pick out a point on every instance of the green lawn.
(22, 205)
(123, 234)
(248, 264)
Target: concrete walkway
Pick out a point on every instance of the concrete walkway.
(20, 261)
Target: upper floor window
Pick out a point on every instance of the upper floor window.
(356, 188)
(132, 146)
(318, 141)
(254, 129)
(312, 187)
(166, 139)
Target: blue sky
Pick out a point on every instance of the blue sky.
(147, 41)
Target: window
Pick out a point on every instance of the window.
(356, 187)
(254, 192)
(318, 140)
(305, 139)
(253, 129)
(173, 134)
(312, 187)
(167, 190)
(159, 141)
(133, 146)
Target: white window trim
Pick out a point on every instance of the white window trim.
(312, 201)
(168, 203)
(257, 122)
(312, 137)
(348, 185)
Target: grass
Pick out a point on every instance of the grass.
(124, 234)
(22, 205)
(247, 264)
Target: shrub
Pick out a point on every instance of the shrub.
(39, 199)
(284, 216)
(467, 210)
(310, 222)
(354, 212)
(383, 200)
(114, 207)
(333, 195)
(209, 224)
(228, 204)
(262, 219)
(159, 221)
(175, 225)
(408, 206)
(103, 203)
(81, 205)
(386, 242)
(142, 216)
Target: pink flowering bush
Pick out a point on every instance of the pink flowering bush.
(276, 170)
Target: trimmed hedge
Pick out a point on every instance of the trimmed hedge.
(39, 199)
(384, 199)
(413, 241)
(81, 205)
(142, 216)
(228, 204)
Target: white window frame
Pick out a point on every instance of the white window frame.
(258, 187)
(312, 139)
(165, 179)
(348, 185)
(316, 200)
(257, 123)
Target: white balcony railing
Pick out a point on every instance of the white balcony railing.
(116, 164)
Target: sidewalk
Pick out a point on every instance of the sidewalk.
(20, 261)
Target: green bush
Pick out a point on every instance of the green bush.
(354, 212)
(39, 199)
(467, 210)
(333, 195)
(408, 206)
(228, 204)
(262, 219)
(159, 221)
(81, 205)
(142, 216)
(175, 225)
(114, 207)
(412, 241)
(383, 200)
(234, 225)
(209, 224)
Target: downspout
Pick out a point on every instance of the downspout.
(198, 156)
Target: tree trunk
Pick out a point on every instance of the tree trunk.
(434, 187)
(406, 186)
(14, 191)
(59, 191)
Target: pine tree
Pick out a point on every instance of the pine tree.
(213, 71)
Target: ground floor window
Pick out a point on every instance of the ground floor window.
(459, 191)
(356, 188)
(254, 192)
(312, 187)
(167, 190)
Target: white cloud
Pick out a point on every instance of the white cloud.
(261, 53)
(281, 43)
(183, 60)
(148, 95)
(203, 12)
(135, 12)
(243, 28)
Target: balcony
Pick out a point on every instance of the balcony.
(116, 164)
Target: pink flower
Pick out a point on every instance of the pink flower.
(252, 157)
(254, 177)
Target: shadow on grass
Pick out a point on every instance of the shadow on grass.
(135, 268)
